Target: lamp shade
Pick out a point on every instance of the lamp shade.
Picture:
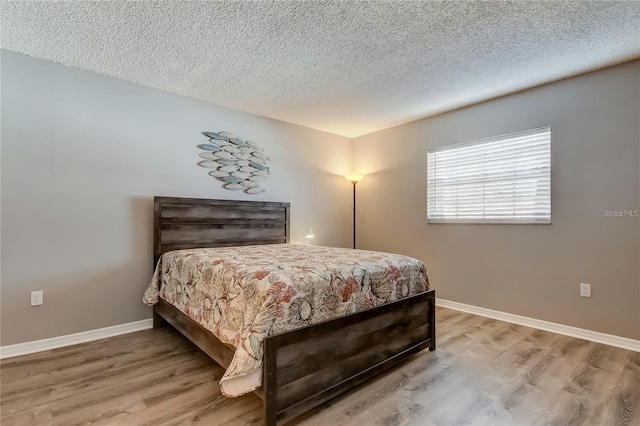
(354, 177)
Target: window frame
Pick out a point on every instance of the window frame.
(502, 221)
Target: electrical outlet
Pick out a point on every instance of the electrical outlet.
(37, 298)
(585, 290)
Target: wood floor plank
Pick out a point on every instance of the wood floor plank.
(484, 372)
(34, 415)
(125, 404)
(108, 365)
(252, 417)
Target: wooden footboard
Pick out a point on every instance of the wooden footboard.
(304, 368)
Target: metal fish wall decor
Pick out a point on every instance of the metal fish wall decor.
(238, 164)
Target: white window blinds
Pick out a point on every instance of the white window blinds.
(506, 179)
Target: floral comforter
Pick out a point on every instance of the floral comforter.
(243, 294)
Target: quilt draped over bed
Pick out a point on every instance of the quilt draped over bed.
(243, 294)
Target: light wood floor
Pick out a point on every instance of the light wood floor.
(484, 372)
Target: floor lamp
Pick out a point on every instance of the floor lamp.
(354, 178)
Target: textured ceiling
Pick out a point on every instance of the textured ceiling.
(344, 67)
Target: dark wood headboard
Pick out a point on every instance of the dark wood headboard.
(183, 223)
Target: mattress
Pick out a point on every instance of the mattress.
(244, 294)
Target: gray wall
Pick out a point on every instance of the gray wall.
(531, 270)
(82, 157)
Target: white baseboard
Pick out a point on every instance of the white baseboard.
(73, 339)
(580, 333)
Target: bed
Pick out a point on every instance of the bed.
(299, 365)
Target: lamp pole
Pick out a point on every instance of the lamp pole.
(354, 213)
(354, 178)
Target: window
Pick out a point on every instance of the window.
(506, 179)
